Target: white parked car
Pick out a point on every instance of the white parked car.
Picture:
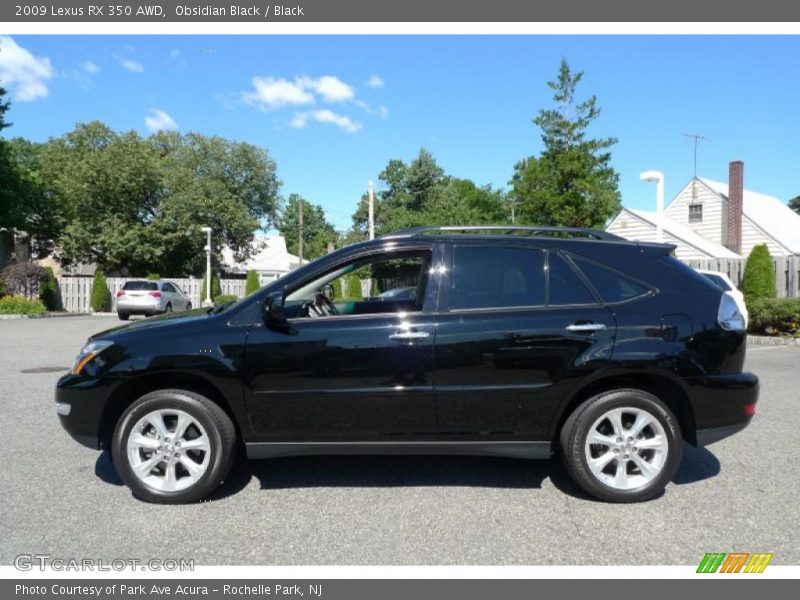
(146, 297)
(724, 282)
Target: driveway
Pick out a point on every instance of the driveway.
(67, 501)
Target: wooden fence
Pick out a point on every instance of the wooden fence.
(76, 292)
(787, 271)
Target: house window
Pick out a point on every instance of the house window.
(695, 213)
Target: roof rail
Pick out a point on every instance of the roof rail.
(533, 230)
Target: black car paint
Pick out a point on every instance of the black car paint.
(482, 378)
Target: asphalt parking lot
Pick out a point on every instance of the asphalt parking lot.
(62, 499)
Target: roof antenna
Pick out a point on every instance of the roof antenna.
(696, 137)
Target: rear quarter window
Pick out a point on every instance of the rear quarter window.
(612, 286)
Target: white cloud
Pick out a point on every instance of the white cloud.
(132, 66)
(22, 73)
(332, 89)
(90, 67)
(158, 120)
(174, 53)
(383, 112)
(374, 82)
(270, 93)
(300, 120)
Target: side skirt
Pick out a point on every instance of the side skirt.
(533, 450)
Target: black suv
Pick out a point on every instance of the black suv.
(519, 342)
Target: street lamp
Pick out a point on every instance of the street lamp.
(207, 231)
(658, 177)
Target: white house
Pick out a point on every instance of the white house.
(270, 260)
(710, 219)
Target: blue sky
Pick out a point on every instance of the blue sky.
(332, 110)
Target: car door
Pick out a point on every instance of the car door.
(364, 374)
(517, 326)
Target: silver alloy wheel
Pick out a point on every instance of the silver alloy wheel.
(626, 448)
(168, 450)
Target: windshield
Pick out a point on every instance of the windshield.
(140, 285)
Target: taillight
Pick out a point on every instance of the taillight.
(729, 316)
(155, 294)
(750, 409)
(120, 293)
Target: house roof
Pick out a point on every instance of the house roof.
(768, 213)
(270, 256)
(684, 234)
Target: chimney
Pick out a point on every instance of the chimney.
(735, 203)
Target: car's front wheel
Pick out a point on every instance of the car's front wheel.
(622, 446)
(173, 446)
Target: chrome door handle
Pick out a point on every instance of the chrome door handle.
(586, 327)
(409, 335)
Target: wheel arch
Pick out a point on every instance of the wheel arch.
(130, 390)
(664, 387)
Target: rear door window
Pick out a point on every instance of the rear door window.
(565, 287)
(497, 277)
(140, 285)
(612, 286)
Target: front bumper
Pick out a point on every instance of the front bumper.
(723, 404)
(80, 404)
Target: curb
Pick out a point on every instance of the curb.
(770, 340)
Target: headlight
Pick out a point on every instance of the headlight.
(89, 352)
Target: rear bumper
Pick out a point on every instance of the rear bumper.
(723, 405)
(140, 307)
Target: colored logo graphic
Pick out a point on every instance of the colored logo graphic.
(735, 562)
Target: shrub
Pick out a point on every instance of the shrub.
(223, 298)
(758, 280)
(216, 290)
(775, 316)
(253, 284)
(48, 290)
(20, 305)
(153, 276)
(376, 288)
(101, 297)
(2, 287)
(354, 287)
(23, 279)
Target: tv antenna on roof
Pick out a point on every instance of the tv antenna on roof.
(696, 137)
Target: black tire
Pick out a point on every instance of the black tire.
(168, 308)
(188, 306)
(576, 429)
(124, 315)
(217, 424)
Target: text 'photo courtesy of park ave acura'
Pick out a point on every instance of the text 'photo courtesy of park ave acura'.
(400, 300)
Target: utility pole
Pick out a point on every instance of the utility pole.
(300, 226)
(371, 194)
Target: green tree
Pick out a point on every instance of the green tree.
(794, 204)
(758, 280)
(216, 288)
(48, 290)
(138, 204)
(253, 284)
(317, 231)
(354, 287)
(571, 182)
(101, 296)
(153, 276)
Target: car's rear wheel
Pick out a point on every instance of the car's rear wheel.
(622, 446)
(168, 308)
(124, 315)
(173, 446)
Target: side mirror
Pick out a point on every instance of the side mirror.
(273, 310)
(327, 291)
